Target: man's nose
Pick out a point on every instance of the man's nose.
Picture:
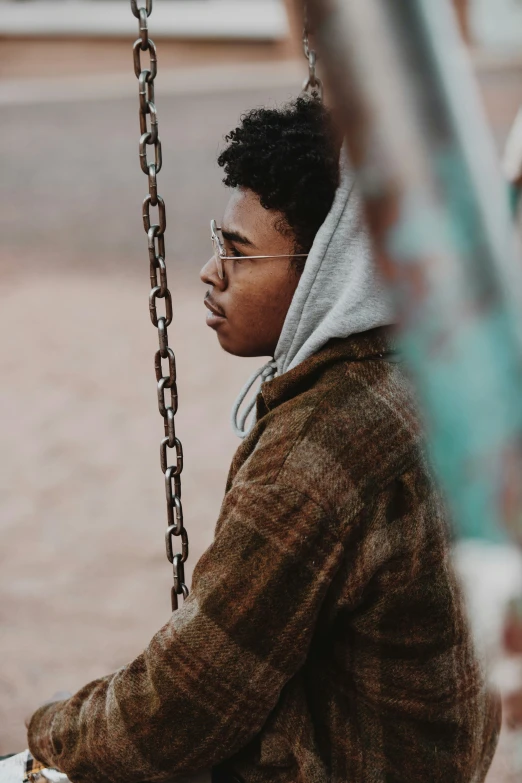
(209, 275)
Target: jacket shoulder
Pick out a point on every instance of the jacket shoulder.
(351, 433)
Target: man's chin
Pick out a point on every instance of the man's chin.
(237, 348)
(230, 348)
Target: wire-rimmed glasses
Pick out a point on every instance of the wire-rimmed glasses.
(220, 254)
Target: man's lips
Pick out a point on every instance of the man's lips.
(210, 305)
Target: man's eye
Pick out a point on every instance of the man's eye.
(235, 252)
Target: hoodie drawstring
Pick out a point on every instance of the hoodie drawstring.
(239, 421)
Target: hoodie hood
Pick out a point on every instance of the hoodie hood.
(340, 292)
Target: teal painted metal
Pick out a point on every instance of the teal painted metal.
(440, 217)
(514, 198)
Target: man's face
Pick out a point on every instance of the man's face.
(248, 307)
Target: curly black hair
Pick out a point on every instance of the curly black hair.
(289, 157)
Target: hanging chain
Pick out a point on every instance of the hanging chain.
(313, 85)
(159, 290)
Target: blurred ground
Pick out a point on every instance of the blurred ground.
(84, 579)
(43, 57)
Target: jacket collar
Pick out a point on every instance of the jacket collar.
(376, 343)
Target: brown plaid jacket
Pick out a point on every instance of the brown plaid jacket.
(324, 639)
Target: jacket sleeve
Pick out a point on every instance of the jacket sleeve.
(209, 678)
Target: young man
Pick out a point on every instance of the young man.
(324, 639)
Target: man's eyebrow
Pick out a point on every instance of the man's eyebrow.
(234, 236)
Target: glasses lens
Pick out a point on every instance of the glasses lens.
(217, 255)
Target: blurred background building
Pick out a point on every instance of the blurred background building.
(84, 580)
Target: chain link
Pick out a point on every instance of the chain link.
(149, 137)
(313, 85)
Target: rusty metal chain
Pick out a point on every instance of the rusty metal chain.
(313, 85)
(166, 383)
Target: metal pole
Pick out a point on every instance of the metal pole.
(438, 212)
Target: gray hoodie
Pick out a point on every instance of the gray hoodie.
(340, 293)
